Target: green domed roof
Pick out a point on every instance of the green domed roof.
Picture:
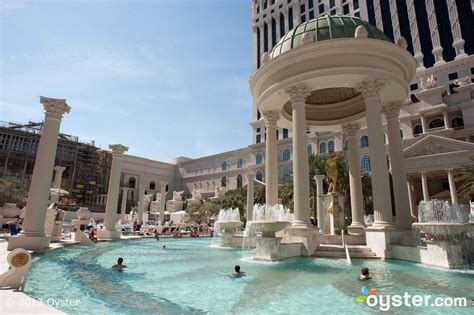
(324, 28)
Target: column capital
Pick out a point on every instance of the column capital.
(260, 23)
(449, 170)
(59, 168)
(54, 107)
(271, 118)
(118, 149)
(297, 93)
(371, 87)
(350, 129)
(125, 189)
(319, 177)
(163, 183)
(392, 110)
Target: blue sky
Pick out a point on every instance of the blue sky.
(164, 77)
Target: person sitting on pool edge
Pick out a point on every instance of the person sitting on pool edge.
(119, 264)
(237, 272)
(364, 274)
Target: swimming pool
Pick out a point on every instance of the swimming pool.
(191, 277)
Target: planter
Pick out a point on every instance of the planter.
(10, 210)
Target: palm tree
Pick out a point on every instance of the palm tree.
(467, 177)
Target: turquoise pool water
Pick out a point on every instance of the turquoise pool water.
(190, 277)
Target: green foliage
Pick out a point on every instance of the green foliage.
(259, 194)
(285, 193)
(12, 190)
(236, 198)
(467, 178)
(367, 192)
(200, 211)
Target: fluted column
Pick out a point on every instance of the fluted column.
(446, 119)
(277, 27)
(424, 186)
(58, 174)
(162, 202)
(271, 158)
(394, 18)
(141, 203)
(123, 207)
(296, 15)
(397, 163)
(411, 197)
(452, 186)
(113, 190)
(270, 34)
(437, 48)
(261, 26)
(378, 161)
(458, 42)
(255, 46)
(298, 94)
(286, 17)
(424, 124)
(250, 195)
(378, 15)
(415, 35)
(320, 211)
(355, 182)
(38, 195)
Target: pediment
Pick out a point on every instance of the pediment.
(432, 144)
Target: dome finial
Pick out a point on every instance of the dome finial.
(361, 32)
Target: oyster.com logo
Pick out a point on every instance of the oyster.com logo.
(364, 293)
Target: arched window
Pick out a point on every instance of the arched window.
(436, 123)
(457, 123)
(364, 142)
(224, 182)
(401, 134)
(418, 129)
(310, 149)
(331, 146)
(152, 186)
(225, 166)
(259, 158)
(239, 181)
(285, 133)
(286, 156)
(240, 163)
(322, 147)
(132, 182)
(259, 176)
(166, 188)
(258, 9)
(365, 163)
(286, 173)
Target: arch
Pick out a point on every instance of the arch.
(224, 181)
(259, 175)
(152, 185)
(286, 155)
(365, 163)
(240, 163)
(436, 123)
(457, 123)
(322, 147)
(331, 146)
(364, 141)
(239, 181)
(310, 149)
(259, 158)
(401, 134)
(418, 129)
(225, 166)
(132, 182)
(286, 173)
(167, 187)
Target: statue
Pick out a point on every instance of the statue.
(361, 32)
(177, 195)
(332, 173)
(196, 194)
(463, 81)
(428, 83)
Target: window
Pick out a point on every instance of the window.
(258, 138)
(286, 156)
(285, 133)
(310, 149)
(265, 4)
(240, 163)
(132, 182)
(321, 8)
(414, 87)
(290, 19)
(331, 147)
(345, 9)
(401, 134)
(453, 76)
(258, 9)
(418, 129)
(225, 166)
(311, 14)
(436, 123)
(277, 133)
(302, 8)
(303, 18)
(259, 176)
(457, 123)
(239, 181)
(322, 147)
(364, 142)
(365, 163)
(310, 4)
(332, 3)
(333, 12)
(258, 129)
(286, 174)
(152, 186)
(356, 4)
(224, 182)
(259, 158)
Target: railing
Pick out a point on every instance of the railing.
(344, 245)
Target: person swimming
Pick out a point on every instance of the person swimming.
(119, 264)
(364, 274)
(164, 246)
(237, 272)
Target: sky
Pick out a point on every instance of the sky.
(166, 78)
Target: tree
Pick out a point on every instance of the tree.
(202, 210)
(12, 190)
(235, 198)
(467, 178)
(367, 192)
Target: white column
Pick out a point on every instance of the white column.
(113, 190)
(411, 198)
(446, 119)
(271, 158)
(424, 186)
(458, 42)
(33, 236)
(261, 26)
(58, 174)
(123, 207)
(141, 203)
(424, 124)
(298, 94)
(255, 46)
(415, 35)
(250, 196)
(394, 18)
(437, 49)
(286, 19)
(320, 211)
(355, 181)
(270, 34)
(378, 160)
(296, 15)
(162, 202)
(397, 163)
(452, 186)
(378, 15)
(277, 27)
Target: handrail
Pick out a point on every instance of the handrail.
(344, 245)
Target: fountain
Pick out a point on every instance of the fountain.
(227, 222)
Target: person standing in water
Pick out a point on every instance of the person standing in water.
(119, 264)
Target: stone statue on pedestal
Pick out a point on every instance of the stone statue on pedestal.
(176, 204)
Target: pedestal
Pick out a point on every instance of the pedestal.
(378, 240)
(228, 238)
(332, 223)
(173, 206)
(31, 242)
(307, 235)
(268, 248)
(108, 235)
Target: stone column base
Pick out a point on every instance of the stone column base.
(308, 235)
(268, 248)
(108, 235)
(356, 230)
(378, 240)
(228, 239)
(36, 243)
